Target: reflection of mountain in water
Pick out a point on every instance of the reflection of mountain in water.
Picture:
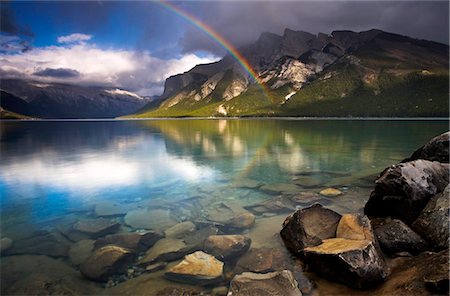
(292, 146)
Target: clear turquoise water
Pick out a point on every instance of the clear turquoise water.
(52, 169)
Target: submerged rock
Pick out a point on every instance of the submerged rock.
(106, 261)
(279, 188)
(396, 237)
(41, 243)
(197, 268)
(166, 249)
(308, 227)
(96, 227)
(308, 198)
(279, 204)
(180, 230)
(330, 192)
(437, 149)
(198, 237)
(80, 251)
(264, 284)
(355, 263)
(433, 222)
(155, 219)
(262, 260)
(5, 244)
(109, 208)
(403, 190)
(227, 247)
(137, 242)
(246, 183)
(307, 181)
(241, 221)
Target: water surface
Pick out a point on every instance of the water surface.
(54, 170)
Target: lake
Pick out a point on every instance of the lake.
(153, 174)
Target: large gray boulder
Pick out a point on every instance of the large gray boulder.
(264, 284)
(403, 190)
(433, 221)
(308, 227)
(437, 149)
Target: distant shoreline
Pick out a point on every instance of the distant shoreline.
(234, 118)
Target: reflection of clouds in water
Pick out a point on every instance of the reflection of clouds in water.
(136, 163)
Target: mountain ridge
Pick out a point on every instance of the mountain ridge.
(366, 63)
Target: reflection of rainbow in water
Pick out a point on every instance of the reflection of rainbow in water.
(219, 39)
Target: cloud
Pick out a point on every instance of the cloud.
(9, 24)
(238, 23)
(74, 38)
(134, 71)
(60, 73)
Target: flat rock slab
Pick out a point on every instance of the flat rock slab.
(262, 260)
(264, 284)
(246, 183)
(137, 242)
(96, 227)
(308, 227)
(42, 243)
(396, 237)
(109, 208)
(105, 262)
(279, 188)
(197, 268)
(227, 247)
(355, 263)
(307, 181)
(180, 230)
(156, 219)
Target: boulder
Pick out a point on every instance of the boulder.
(180, 230)
(105, 262)
(437, 149)
(264, 284)
(197, 268)
(396, 237)
(5, 244)
(262, 260)
(80, 251)
(308, 227)
(355, 263)
(95, 228)
(227, 247)
(137, 242)
(403, 190)
(330, 192)
(433, 221)
(166, 249)
(241, 221)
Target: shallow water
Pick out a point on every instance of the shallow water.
(54, 174)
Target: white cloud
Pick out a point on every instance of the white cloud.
(74, 38)
(139, 72)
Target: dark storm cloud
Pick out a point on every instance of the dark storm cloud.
(9, 24)
(243, 22)
(57, 73)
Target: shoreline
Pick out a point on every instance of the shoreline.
(233, 118)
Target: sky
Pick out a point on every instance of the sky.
(136, 45)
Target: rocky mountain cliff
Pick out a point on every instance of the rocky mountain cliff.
(345, 73)
(52, 100)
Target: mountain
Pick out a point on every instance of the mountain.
(345, 73)
(21, 98)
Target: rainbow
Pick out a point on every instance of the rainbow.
(219, 39)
